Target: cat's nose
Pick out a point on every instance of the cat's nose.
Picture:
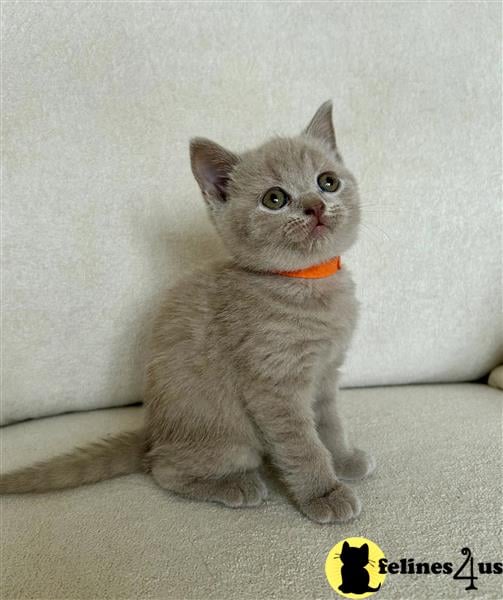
(313, 206)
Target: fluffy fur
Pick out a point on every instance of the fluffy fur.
(243, 362)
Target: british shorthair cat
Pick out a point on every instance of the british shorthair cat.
(244, 356)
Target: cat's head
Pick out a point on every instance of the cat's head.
(354, 555)
(288, 204)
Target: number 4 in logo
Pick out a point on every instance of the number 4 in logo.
(468, 561)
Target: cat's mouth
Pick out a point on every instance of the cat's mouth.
(319, 227)
(319, 230)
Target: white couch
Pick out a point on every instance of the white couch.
(101, 213)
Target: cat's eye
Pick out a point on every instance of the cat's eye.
(329, 182)
(275, 198)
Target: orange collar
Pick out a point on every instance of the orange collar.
(317, 271)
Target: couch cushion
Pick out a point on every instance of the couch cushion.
(437, 489)
(101, 211)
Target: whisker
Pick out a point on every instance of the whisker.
(365, 208)
(373, 209)
(379, 205)
(380, 229)
(372, 238)
(385, 211)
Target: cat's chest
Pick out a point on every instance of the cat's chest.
(327, 333)
(329, 315)
(303, 336)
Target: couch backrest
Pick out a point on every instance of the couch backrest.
(101, 211)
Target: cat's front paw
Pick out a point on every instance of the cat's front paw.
(357, 465)
(339, 504)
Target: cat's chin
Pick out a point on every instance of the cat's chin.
(319, 231)
(321, 246)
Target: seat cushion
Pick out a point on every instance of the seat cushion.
(437, 489)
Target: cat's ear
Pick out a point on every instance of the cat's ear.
(212, 166)
(321, 127)
(365, 549)
(345, 546)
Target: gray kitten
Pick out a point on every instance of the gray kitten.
(244, 357)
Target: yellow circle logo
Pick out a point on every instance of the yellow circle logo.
(352, 568)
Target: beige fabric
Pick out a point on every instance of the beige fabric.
(437, 489)
(100, 210)
(496, 377)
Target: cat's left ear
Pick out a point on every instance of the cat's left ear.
(365, 549)
(321, 127)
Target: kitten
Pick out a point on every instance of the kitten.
(244, 356)
(355, 577)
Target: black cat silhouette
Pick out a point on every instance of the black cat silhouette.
(355, 577)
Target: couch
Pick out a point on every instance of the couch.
(100, 214)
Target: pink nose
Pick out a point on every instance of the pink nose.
(316, 209)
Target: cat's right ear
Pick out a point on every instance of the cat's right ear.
(212, 166)
(345, 546)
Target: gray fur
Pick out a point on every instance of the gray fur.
(118, 455)
(243, 362)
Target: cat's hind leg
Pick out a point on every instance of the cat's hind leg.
(235, 491)
(229, 477)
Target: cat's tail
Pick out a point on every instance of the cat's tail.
(369, 589)
(117, 455)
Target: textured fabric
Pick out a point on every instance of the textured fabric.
(437, 489)
(101, 211)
